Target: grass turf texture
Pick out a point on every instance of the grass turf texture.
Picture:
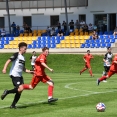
(78, 95)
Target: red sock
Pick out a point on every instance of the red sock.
(26, 86)
(102, 78)
(90, 71)
(83, 70)
(50, 91)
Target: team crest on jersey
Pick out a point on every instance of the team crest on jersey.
(12, 57)
(18, 83)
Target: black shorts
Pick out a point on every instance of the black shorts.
(17, 81)
(106, 68)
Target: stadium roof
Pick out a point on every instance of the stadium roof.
(38, 4)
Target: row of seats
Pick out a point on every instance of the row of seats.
(95, 45)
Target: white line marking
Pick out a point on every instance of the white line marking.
(111, 91)
(68, 87)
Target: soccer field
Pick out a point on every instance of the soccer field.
(78, 96)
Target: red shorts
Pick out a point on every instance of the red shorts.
(87, 65)
(37, 79)
(110, 73)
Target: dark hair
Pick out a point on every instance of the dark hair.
(22, 44)
(33, 52)
(88, 50)
(108, 48)
(45, 48)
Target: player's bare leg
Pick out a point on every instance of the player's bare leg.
(50, 91)
(84, 69)
(90, 71)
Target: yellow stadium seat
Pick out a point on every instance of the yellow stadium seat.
(29, 42)
(72, 41)
(77, 45)
(26, 34)
(15, 46)
(77, 37)
(77, 41)
(71, 37)
(58, 46)
(67, 41)
(21, 34)
(6, 46)
(63, 45)
(76, 30)
(81, 37)
(81, 33)
(10, 46)
(30, 34)
(86, 37)
(86, 33)
(73, 46)
(66, 37)
(35, 34)
(63, 41)
(67, 45)
(39, 34)
(82, 41)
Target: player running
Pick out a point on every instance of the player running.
(112, 71)
(107, 61)
(40, 75)
(18, 66)
(87, 58)
(32, 59)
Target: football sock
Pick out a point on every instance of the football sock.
(16, 99)
(15, 90)
(50, 91)
(102, 78)
(26, 86)
(90, 71)
(83, 70)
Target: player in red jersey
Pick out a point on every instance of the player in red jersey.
(112, 70)
(87, 58)
(40, 75)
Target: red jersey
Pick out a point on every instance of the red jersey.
(88, 57)
(114, 65)
(39, 69)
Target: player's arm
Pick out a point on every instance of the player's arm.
(6, 65)
(28, 71)
(104, 59)
(92, 56)
(51, 70)
(12, 58)
(84, 58)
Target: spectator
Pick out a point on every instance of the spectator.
(32, 59)
(24, 25)
(13, 25)
(52, 32)
(90, 28)
(95, 27)
(59, 25)
(60, 33)
(64, 26)
(94, 35)
(3, 32)
(48, 31)
(18, 28)
(77, 24)
(82, 23)
(28, 29)
(71, 24)
(85, 28)
(115, 31)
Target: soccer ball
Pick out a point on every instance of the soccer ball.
(100, 107)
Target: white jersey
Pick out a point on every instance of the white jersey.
(108, 59)
(33, 58)
(18, 64)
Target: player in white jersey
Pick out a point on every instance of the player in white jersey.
(33, 58)
(18, 66)
(107, 61)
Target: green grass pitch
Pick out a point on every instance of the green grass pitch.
(77, 94)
